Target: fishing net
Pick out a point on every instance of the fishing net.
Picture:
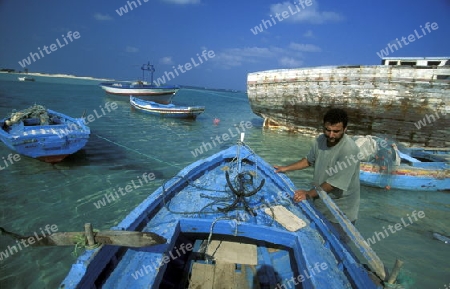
(382, 154)
(36, 114)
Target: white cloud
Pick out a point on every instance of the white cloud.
(305, 47)
(182, 2)
(308, 33)
(290, 62)
(234, 57)
(310, 14)
(166, 60)
(238, 56)
(102, 17)
(131, 49)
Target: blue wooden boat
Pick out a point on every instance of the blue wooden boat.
(166, 110)
(416, 169)
(43, 134)
(229, 222)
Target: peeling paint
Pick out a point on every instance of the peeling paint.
(380, 100)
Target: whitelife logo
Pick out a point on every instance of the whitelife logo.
(49, 49)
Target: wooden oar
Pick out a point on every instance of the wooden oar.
(114, 238)
(370, 255)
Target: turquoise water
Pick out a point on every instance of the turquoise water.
(126, 144)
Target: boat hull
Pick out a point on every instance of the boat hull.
(409, 104)
(48, 143)
(407, 178)
(169, 110)
(25, 78)
(194, 208)
(160, 94)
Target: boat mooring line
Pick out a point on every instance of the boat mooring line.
(138, 152)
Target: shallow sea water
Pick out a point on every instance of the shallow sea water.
(125, 144)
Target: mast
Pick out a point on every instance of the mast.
(150, 68)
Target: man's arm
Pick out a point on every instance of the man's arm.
(301, 164)
(301, 195)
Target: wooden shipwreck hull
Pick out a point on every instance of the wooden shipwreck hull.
(407, 103)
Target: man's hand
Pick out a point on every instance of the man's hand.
(280, 169)
(300, 195)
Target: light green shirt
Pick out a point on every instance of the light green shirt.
(338, 166)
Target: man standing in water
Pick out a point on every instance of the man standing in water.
(336, 169)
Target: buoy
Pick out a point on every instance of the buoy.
(216, 121)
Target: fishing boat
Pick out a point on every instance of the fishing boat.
(166, 110)
(43, 134)
(145, 90)
(229, 222)
(160, 94)
(26, 78)
(404, 97)
(384, 165)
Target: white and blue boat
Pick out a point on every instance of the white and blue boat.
(145, 90)
(229, 222)
(26, 78)
(166, 110)
(44, 134)
(160, 94)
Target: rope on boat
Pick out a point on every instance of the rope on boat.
(204, 248)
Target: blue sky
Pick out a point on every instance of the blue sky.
(170, 33)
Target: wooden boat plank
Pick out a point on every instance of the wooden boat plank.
(224, 276)
(286, 218)
(219, 275)
(232, 252)
(202, 276)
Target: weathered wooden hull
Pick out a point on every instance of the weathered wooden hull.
(409, 104)
(192, 212)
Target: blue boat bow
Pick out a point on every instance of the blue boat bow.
(197, 212)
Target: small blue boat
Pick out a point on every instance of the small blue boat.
(43, 134)
(415, 169)
(166, 110)
(229, 222)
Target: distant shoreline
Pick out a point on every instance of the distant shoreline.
(58, 75)
(70, 76)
